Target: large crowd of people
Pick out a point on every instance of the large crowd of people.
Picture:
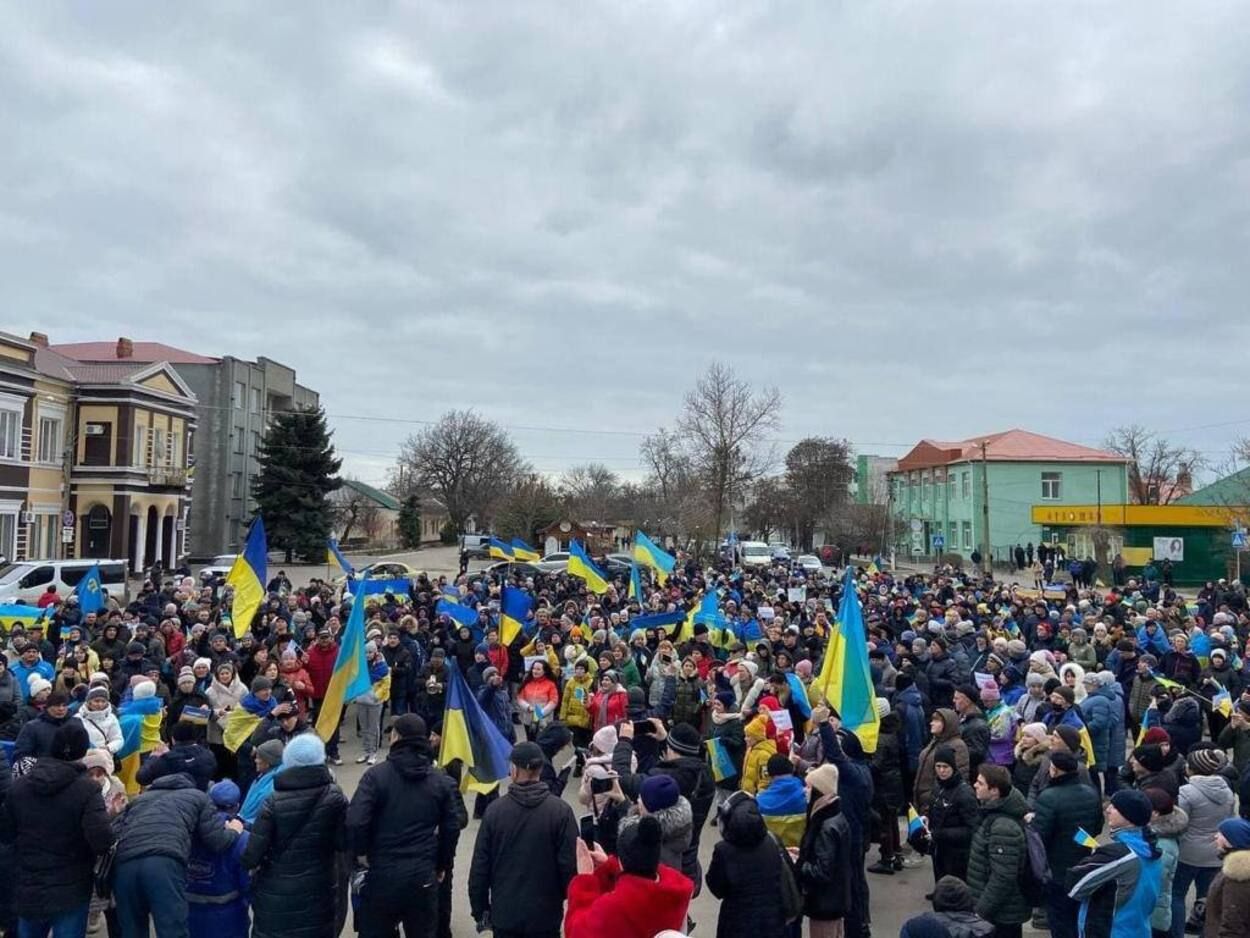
(1076, 758)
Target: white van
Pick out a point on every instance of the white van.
(29, 579)
(755, 554)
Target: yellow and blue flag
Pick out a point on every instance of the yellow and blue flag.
(335, 558)
(914, 822)
(649, 554)
(514, 613)
(451, 594)
(470, 738)
(240, 725)
(1223, 702)
(708, 613)
(522, 551)
(1165, 681)
(398, 587)
(658, 620)
(722, 763)
(798, 694)
(90, 591)
(1200, 645)
(458, 613)
(1085, 839)
(498, 550)
(247, 577)
(845, 681)
(140, 722)
(350, 677)
(12, 614)
(582, 567)
(635, 582)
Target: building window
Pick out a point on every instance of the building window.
(952, 535)
(236, 484)
(256, 400)
(238, 440)
(1051, 486)
(139, 455)
(965, 483)
(950, 486)
(159, 454)
(8, 533)
(240, 395)
(967, 535)
(256, 443)
(43, 546)
(51, 441)
(10, 437)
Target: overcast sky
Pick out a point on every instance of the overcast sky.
(917, 219)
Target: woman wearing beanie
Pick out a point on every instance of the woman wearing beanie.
(630, 895)
(1208, 801)
(296, 892)
(746, 870)
(824, 857)
(1168, 823)
(96, 714)
(952, 817)
(944, 727)
(1032, 747)
(225, 694)
(1228, 901)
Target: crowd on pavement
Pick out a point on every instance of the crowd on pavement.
(1078, 759)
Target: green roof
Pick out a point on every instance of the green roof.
(1231, 490)
(384, 499)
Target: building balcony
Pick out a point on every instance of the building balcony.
(168, 476)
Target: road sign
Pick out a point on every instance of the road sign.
(67, 535)
(1239, 540)
(67, 519)
(938, 542)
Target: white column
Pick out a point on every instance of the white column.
(160, 538)
(141, 540)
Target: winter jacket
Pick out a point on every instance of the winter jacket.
(575, 701)
(1207, 800)
(952, 915)
(497, 706)
(824, 864)
(1002, 725)
(103, 730)
(887, 768)
(944, 675)
(759, 750)
(1028, 759)
(217, 890)
(1117, 737)
(320, 666)
(611, 904)
(996, 860)
(523, 860)
(1118, 886)
(403, 817)
(219, 698)
(293, 854)
(1096, 709)
(1228, 900)
(1167, 830)
(908, 705)
(1084, 654)
(745, 872)
(35, 739)
(728, 729)
(191, 759)
(677, 829)
(1236, 738)
(975, 733)
(925, 779)
(538, 700)
(688, 702)
(1061, 808)
(55, 819)
(953, 817)
(1140, 694)
(608, 708)
(783, 807)
(1183, 721)
(167, 819)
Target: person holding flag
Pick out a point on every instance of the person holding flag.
(1065, 809)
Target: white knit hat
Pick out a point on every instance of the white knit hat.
(38, 685)
(143, 690)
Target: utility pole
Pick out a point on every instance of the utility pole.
(1100, 498)
(986, 564)
(68, 455)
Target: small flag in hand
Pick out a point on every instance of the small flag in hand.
(1084, 839)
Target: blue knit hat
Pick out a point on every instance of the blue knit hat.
(1237, 832)
(225, 794)
(304, 749)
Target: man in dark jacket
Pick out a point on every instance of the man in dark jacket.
(156, 835)
(403, 825)
(55, 819)
(1064, 807)
(943, 674)
(35, 739)
(188, 757)
(843, 750)
(525, 855)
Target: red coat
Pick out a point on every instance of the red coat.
(497, 655)
(320, 665)
(610, 904)
(618, 703)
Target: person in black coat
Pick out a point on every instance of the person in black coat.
(35, 738)
(525, 854)
(403, 825)
(55, 820)
(888, 795)
(745, 873)
(826, 854)
(953, 816)
(187, 756)
(295, 849)
(845, 752)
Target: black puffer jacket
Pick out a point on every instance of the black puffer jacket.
(824, 865)
(294, 852)
(1061, 808)
(35, 739)
(56, 817)
(523, 859)
(403, 817)
(953, 816)
(745, 874)
(190, 759)
(975, 732)
(997, 859)
(887, 767)
(166, 820)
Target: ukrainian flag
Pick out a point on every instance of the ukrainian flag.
(1166, 682)
(451, 594)
(581, 566)
(247, 577)
(1200, 645)
(722, 763)
(12, 614)
(1223, 702)
(470, 738)
(798, 694)
(350, 677)
(522, 551)
(140, 722)
(635, 582)
(845, 681)
(498, 550)
(335, 558)
(240, 725)
(708, 613)
(647, 553)
(658, 620)
(514, 613)
(914, 823)
(1084, 839)
(89, 591)
(397, 587)
(872, 569)
(457, 612)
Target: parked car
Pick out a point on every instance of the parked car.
(809, 564)
(387, 570)
(30, 579)
(616, 564)
(514, 568)
(755, 554)
(477, 546)
(219, 566)
(781, 553)
(554, 563)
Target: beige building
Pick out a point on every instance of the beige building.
(93, 457)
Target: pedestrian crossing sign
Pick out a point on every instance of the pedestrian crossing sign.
(1239, 540)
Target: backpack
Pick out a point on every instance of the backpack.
(1035, 870)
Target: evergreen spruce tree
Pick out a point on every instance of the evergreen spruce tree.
(298, 470)
(410, 522)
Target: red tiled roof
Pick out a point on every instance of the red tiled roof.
(144, 352)
(1008, 446)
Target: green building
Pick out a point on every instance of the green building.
(938, 492)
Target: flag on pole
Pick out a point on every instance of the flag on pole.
(522, 551)
(845, 681)
(649, 554)
(1085, 839)
(498, 550)
(90, 592)
(350, 677)
(582, 567)
(1223, 702)
(722, 762)
(635, 582)
(247, 577)
(470, 738)
(514, 613)
(914, 821)
(335, 558)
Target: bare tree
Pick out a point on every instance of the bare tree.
(531, 504)
(723, 422)
(467, 461)
(1158, 471)
(347, 508)
(818, 475)
(590, 491)
(771, 507)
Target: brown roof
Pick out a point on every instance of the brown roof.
(143, 352)
(1008, 446)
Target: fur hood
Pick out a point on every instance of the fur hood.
(1236, 866)
(1171, 825)
(675, 822)
(1030, 751)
